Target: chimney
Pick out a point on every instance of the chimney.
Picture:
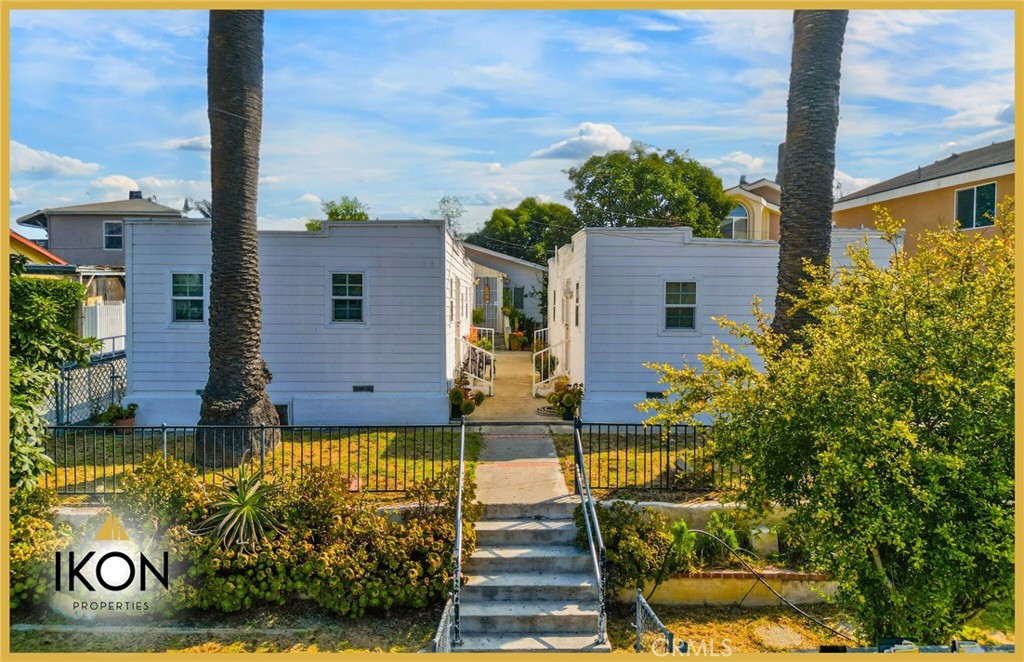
(781, 162)
(134, 195)
(743, 180)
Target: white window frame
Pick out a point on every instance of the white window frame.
(105, 235)
(663, 306)
(974, 222)
(732, 218)
(331, 298)
(188, 324)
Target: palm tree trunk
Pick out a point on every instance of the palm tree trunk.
(235, 394)
(805, 226)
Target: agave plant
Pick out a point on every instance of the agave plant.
(241, 510)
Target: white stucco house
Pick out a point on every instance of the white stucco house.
(361, 320)
(622, 297)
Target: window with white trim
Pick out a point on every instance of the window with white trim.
(976, 206)
(680, 305)
(113, 235)
(346, 297)
(737, 224)
(188, 297)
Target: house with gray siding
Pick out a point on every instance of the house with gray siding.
(524, 280)
(93, 234)
(362, 321)
(623, 297)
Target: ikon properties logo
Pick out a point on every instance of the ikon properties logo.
(109, 575)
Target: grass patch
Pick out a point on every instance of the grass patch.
(388, 460)
(644, 472)
(741, 629)
(291, 629)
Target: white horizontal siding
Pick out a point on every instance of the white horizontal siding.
(398, 348)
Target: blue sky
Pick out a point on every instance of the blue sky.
(400, 108)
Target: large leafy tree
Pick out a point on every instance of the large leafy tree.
(641, 187)
(532, 230)
(344, 209)
(808, 169)
(235, 393)
(888, 433)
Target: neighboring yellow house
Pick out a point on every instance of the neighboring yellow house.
(756, 215)
(32, 251)
(960, 191)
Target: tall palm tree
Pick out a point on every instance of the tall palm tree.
(805, 226)
(236, 392)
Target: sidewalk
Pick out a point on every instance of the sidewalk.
(518, 464)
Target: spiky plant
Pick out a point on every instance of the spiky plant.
(241, 510)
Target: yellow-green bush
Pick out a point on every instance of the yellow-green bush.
(34, 539)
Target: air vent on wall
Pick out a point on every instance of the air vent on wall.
(366, 388)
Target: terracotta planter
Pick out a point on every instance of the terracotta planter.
(515, 345)
(124, 423)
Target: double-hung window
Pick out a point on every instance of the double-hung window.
(976, 206)
(346, 297)
(737, 224)
(113, 235)
(188, 297)
(680, 305)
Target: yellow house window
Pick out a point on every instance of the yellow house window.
(737, 224)
(976, 206)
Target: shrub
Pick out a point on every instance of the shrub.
(712, 553)
(317, 503)
(34, 539)
(160, 493)
(637, 543)
(242, 512)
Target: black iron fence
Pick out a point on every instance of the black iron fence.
(654, 457)
(93, 460)
(82, 392)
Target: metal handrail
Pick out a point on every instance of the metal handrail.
(483, 332)
(457, 576)
(541, 371)
(593, 526)
(479, 359)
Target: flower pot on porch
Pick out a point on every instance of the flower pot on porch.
(515, 344)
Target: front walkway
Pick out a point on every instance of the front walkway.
(513, 399)
(518, 464)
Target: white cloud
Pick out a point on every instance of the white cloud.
(749, 164)
(593, 138)
(15, 201)
(38, 162)
(750, 35)
(494, 168)
(113, 187)
(500, 195)
(197, 144)
(272, 179)
(846, 184)
(309, 197)
(1006, 115)
(610, 42)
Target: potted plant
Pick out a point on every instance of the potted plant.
(484, 344)
(516, 340)
(478, 317)
(566, 400)
(118, 416)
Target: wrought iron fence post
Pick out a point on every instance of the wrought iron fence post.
(58, 400)
(113, 384)
(163, 431)
(263, 445)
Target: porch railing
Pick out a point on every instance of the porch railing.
(548, 362)
(483, 332)
(478, 366)
(456, 636)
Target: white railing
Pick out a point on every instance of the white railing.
(548, 362)
(109, 346)
(483, 332)
(478, 365)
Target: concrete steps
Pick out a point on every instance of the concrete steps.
(527, 587)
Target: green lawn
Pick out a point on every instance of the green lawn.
(390, 459)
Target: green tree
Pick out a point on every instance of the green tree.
(812, 119)
(42, 339)
(889, 433)
(531, 231)
(640, 187)
(236, 391)
(451, 209)
(346, 209)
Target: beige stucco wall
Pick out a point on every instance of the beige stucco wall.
(929, 210)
